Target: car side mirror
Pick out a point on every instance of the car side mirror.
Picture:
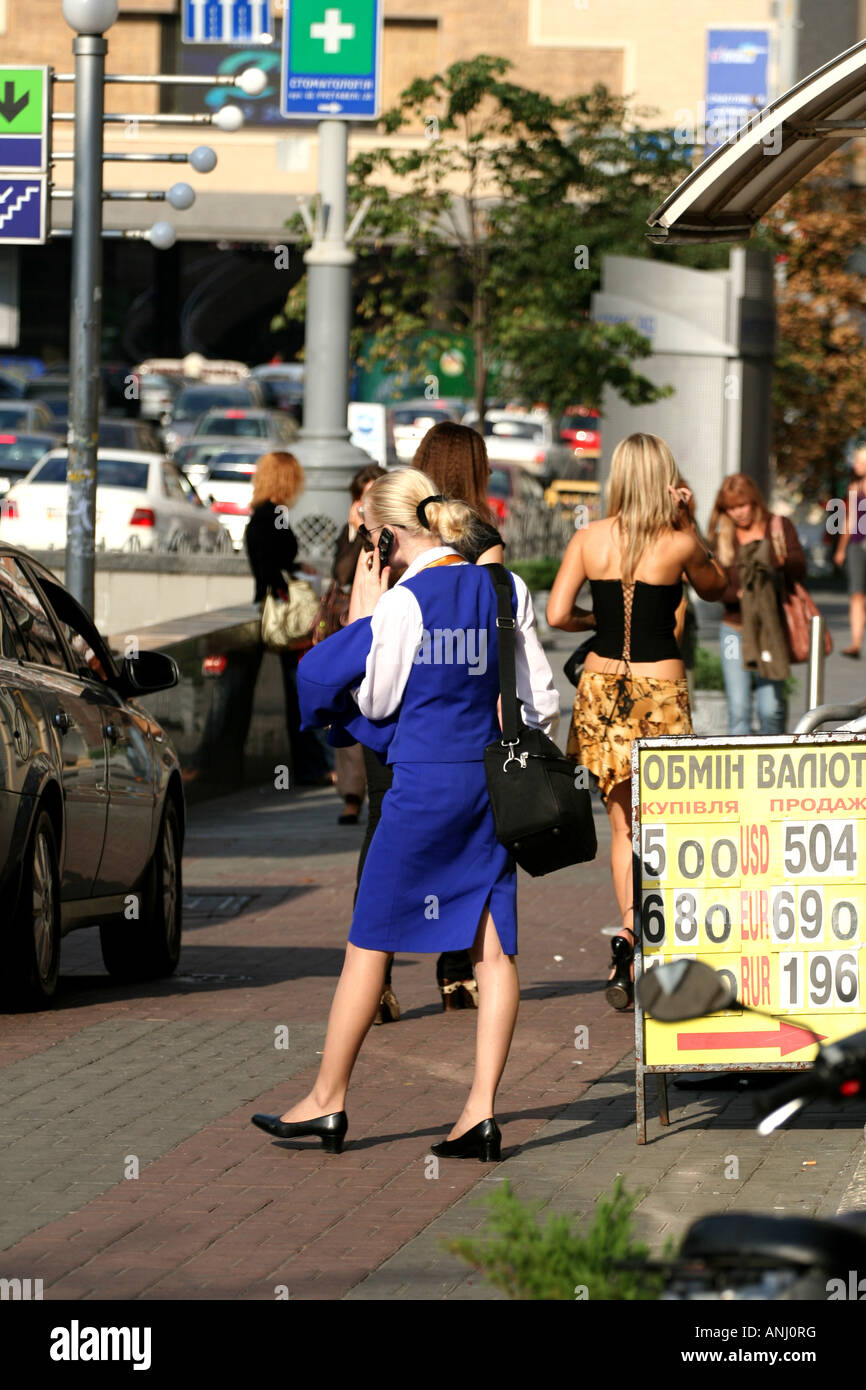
(149, 672)
(682, 990)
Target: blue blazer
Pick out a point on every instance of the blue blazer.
(327, 674)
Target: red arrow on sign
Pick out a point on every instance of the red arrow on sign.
(789, 1038)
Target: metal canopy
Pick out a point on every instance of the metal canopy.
(731, 190)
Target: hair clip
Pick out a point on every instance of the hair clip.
(421, 509)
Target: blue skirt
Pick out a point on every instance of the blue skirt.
(434, 864)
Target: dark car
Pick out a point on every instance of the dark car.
(53, 390)
(194, 400)
(19, 453)
(91, 801)
(129, 434)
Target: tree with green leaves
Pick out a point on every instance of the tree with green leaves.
(494, 225)
(817, 232)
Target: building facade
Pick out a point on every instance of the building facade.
(222, 283)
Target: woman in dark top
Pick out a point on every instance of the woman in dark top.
(455, 457)
(754, 651)
(634, 682)
(272, 549)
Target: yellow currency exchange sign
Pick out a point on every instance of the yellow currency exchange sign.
(751, 856)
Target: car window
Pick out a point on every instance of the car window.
(500, 483)
(11, 414)
(233, 426)
(40, 639)
(18, 455)
(91, 657)
(127, 473)
(171, 483)
(196, 400)
(419, 416)
(231, 473)
(514, 429)
(11, 643)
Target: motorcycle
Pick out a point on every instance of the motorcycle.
(751, 1255)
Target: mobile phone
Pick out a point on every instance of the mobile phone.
(386, 540)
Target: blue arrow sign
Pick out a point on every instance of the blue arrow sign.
(22, 210)
(332, 53)
(227, 21)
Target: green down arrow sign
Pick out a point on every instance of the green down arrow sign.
(21, 101)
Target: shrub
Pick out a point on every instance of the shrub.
(708, 670)
(554, 1261)
(536, 574)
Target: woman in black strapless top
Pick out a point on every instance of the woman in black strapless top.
(633, 683)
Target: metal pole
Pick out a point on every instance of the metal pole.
(324, 450)
(329, 283)
(815, 693)
(788, 45)
(85, 328)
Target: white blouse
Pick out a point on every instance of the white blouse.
(398, 631)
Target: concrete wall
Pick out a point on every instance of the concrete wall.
(134, 590)
(712, 335)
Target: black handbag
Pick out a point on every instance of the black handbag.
(542, 817)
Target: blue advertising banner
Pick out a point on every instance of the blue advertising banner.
(228, 61)
(227, 21)
(737, 81)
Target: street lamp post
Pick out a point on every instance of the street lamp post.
(90, 19)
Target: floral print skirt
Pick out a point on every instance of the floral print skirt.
(611, 710)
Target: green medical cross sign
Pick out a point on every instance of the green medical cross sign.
(333, 37)
(332, 56)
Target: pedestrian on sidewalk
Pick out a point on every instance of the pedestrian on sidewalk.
(436, 877)
(761, 554)
(851, 552)
(633, 683)
(272, 550)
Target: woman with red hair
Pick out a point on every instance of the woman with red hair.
(760, 553)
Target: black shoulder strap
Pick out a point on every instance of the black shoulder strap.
(506, 624)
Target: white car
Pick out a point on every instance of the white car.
(228, 487)
(412, 420)
(512, 436)
(143, 502)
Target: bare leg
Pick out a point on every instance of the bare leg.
(355, 1003)
(857, 617)
(498, 1001)
(619, 814)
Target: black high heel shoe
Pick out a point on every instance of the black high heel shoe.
(483, 1141)
(331, 1129)
(620, 989)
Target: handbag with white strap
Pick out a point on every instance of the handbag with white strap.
(287, 623)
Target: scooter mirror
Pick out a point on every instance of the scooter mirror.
(684, 989)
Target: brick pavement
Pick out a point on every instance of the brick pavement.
(169, 1073)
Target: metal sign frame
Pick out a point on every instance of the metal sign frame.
(331, 108)
(686, 744)
(45, 120)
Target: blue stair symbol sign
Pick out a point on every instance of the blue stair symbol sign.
(21, 209)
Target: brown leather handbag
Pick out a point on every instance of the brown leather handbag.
(798, 607)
